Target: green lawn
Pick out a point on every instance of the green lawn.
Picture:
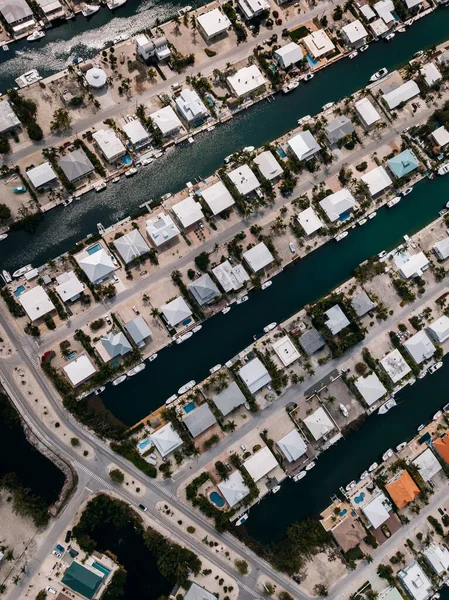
(299, 33)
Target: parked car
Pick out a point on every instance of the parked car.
(441, 511)
(135, 309)
(228, 466)
(243, 448)
(51, 590)
(108, 319)
(115, 278)
(60, 548)
(143, 507)
(56, 553)
(68, 536)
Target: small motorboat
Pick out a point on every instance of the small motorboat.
(382, 254)
(6, 276)
(119, 380)
(372, 467)
(242, 300)
(289, 87)
(401, 29)
(188, 386)
(36, 35)
(99, 187)
(131, 172)
(432, 369)
(308, 76)
(401, 446)
(226, 310)
(136, 369)
(341, 236)
(388, 454)
(99, 390)
(422, 374)
(242, 520)
(248, 149)
(171, 399)
(328, 105)
(183, 338)
(270, 327)
(388, 405)
(113, 4)
(364, 475)
(394, 201)
(3, 236)
(22, 271)
(266, 284)
(353, 54)
(389, 37)
(351, 485)
(419, 53)
(362, 222)
(364, 48)
(299, 476)
(146, 161)
(344, 410)
(304, 119)
(437, 415)
(276, 489)
(153, 357)
(214, 369)
(379, 74)
(5, 47)
(184, 10)
(197, 328)
(20, 189)
(444, 169)
(421, 427)
(89, 10)
(115, 180)
(372, 215)
(407, 191)
(310, 465)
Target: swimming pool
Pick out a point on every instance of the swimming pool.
(344, 216)
(19, 290)
(143, 444)
(217, 499)
(359, 498)
(187, 322)
(71, 355)
(101, 568)
(281, 152)
(189, 407)
(310, 60)
(126, 160)
(94, 249)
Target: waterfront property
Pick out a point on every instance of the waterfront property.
(336, 319)
(310, 221)
(311, 341)
(176, 311)
(76, 165)
(113, 345)
(377, 510)
(229, 399)
(161, 229)
(42, 177)
(268, 166)
(439, 329)
(411, 265)
(69, 287)
(367, 113)
(197, 592)
(395, 366)
(303, 145)
(217, 197)
(96, 263)
(136, 133)
(402, 489)
(377, 181)
(166, 121)
(286, 351)
(371, 388)
(244, 180)
(403, 164)
(253, 8)
(204, 289)
(441, 249)
(166, 440)
(338, 204)
(79, 370)
(234, 489)
(348, 533)
(199, 420)
(254, 375)
(338, 129)
(431, 74)
(131, 246)
(318, 44)
(188, 212)
(246, 81)
(138, 330)
(260, 464)
(213, 23)
(36, 303)
(441, 136)
(191, 107)
(319, 424)
(437, 557)
(405, 92)
(292, 445)
(109, 144)
(8, 118)
(427, 464)
(258, 257)
(362, 303)
(415, 581)
(288, 55)
(355, 33)
(230, 278)
(420, 347)
(18, 15)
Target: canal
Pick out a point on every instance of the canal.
(62, 227)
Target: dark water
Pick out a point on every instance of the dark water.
(61, 228)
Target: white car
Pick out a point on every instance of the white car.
(115, 278)
(56, 553)
(292, 248)
(51, 590)
(108, 319)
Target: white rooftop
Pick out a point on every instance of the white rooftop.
(384, 9)
(69, 286)
(260, 463)
(337, 204)
(79, 369)
(258, 257)
(371, 388)
(233, 489)
(285, 350)
(166, 120)
(166, 439)
(366, 111)
(379, 27)
(188, 211)
(131, 245)
(336, 319)
(8, 118)
(292, 445)
(109, 143)
(246, 80)
(310, 221)
(318, 423)
(441, 248)
(431, 73)
(289, 54)
(355, 32)
(375, 510)
(213, 22)
(441, 136)
(97, 265)
(41, 175)
(176, 311)
(403, 93)
(191, 106)
(303, 145)
(244, 180)
(377, 180)
(413, 3)
(367, 12)
(217, 197)
(414, 266)
(415, 581)
(136, 132)
(420, 347)
(439, 329)
(438, 558)
(96, 77)
(395, 366)
(161, 229)
(268, 166)
(254, 375)
(428, 465)
(36, 303)
(318, 43)
(230, 277)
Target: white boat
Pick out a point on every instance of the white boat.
(308, 76)
(379, 74)
(372, 467)
(266, 284)
(353, 54)
(394, 201)
(437, 415)
(432, 369)
(36, 35)
(183, 338)
(183, 11)
(421, 427)
(6, 276)
(119, 380)
(159, 154)
(5, 47)
(344, 410)
(350, 485)
(401, 446)
(362, 222)
(153, 357)
(131, 172)
(188, 386)
(382, 254)
(99, 390)
(197, 328)
(242, 520)
(388, 454)
(99, 187)
(269, 327)
(389, 37)
(146, 161)
(364, 48)
(303, 120)
(113, 4)
(191, 140)
(407, 191)
(372, 215)
(3, 236)
(310, 465)
(214, 369)
(171, 399)
(364, 475)
(136, 369)
(226, 310)
(401, 29)
(299, 476)
(422, 374)
(116, 179)
(328, 105)
(444, 169)
(289, 87)
(419, 53)
(276, 489)
(340, 236)
(387, 406)
(248, 149)
(89, 10)
(242, 300)
(28, 78)
(22, 271)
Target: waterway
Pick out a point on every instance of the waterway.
(62, 227)
(346, 460)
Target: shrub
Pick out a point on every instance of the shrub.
(242, 567)
(191, 529)
(117, 476)
(75, 442)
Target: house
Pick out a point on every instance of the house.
(131, 246)
(366, 112)
(439, 329)
(348, 533)
(336, 319)
(292, 445)
(402, 164)
(377, 510)
(246, 81)
(395, 366)
(137, 134)
(217, 197)
(83, 579)
(109, 144)
(166, 440)
(362, 303)
(437, 557)
(415, 581)
(79, 369)
(258, 257)
(443, 59)
(244, 180)
(138, 331)
(230, 277)
(401, 94)
(188, 212)
(8, 118)
(377, 181)
(414, 265)
(176, 311)
(42, 177)
(355, 34)
(191, 107)
(371, 388)
(285, 350)
(338, 129)
(144, 46)
(427, 464)
(311, 341)
(204, 289)
(390, 593)
(268, 166)
(385, 10)
(402, 489)
(196, 592)
(97, 265)
(413, 3)
(96, 78)
(161, 48)
(36, 303)
(17, 14)
(69, 287)
(379, 28)
(76, 165)
(213, 23)
(288, 55)
(254, 375)
(318, 44)
(113, 345)
(166, 121)
(199, 420)
(253, 8)
(161, 229)
(440, 135)
(441, 445)
(338, 205)
(318, 423)
(420, 347)
(310, 221)
(303, 145)
(260, 464)
(229, 399)
(367, 12)
(233, 489)
(431, 74)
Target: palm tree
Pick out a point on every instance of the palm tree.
(145, 298)
(151, 74)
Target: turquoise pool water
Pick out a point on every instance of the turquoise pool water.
(71, 355)
(143, 444)
(281, 152)
(343, 512)
(359, 498)
(189, 407)
(187, 322)
(126, 160)
(101, 568)
(94, 249)
(19, 290)
(310, 60)
(217, 499)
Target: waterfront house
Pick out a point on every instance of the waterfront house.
(166, 440)
(390, 593)
(285, 350)
(52, 9)
(338, 129)
(412, 266)
(402, 489)
(137, 134)
(288, 55)
(367, 12)
(253, 8)
(420, 347)
(197, 592)
(439, 329)
(303, 145)
(431, 74)
(395, 366)
(36, 303)
(258, 257)
(427, 464)
(144, 46)
(217, 197)
(292, 445)
(79, 369)
(400, 95)
(176, 311)
(76, 165)
(42, 177)
(403, 164)
(319, 424)
(441, 249)
(246, 81)
(367, 113)
(385, 10)
(379, 28)
(377, 510)
(377, 181)
(244, 180)
(310, 221)
(362, 303)
(113, 345)
(109, 144)
(318, 44)
(18, 15)
(96, 78)
(96, 264)
(204, 289)
(413, 3)
(69, 287)
(415, 581)
(166, 121)
(233, 489)
(230, 277)
(213, 23)
(254, 375)
(83, 579)
(336, 319)
(371, 388)
(443, 59)
(441, 136)
(8, 118)
(437, 557)
(355, 34)
(138, 331)
(349, 533)
(199, 420)
(260, 464)
(191, 107)
(338, 205)
(229, 399)
(268, 166)
(161, 48)
(311, 341)
(131, 246)
(441, 445)
(188, 212)
(161, 229)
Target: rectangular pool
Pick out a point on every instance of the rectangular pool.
(94, 249)
(101, 568)
(189, 407)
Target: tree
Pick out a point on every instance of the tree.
(242, 566)
(285, 596)
(202, 261)
(361, 368)
(75, 442)
(5, 212)
(4, 145)
(41, 595)
(151, 74)
(321, 590)
(61, 120)
(117, 476)
(34, 132)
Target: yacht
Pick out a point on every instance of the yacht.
(394, 201)
(362, 222)
(304, 119)
(22, 271)
(401, 446)
(308, 76)
(6, 276)
(248, 149)
(350, 485)
(276, 489)
(444, 169)
(3, 236)
(344, 410)
(364, 48)
(353, 54)
(432, 369)
(289, 87)
(214, 369)
(340, 236)
(299, 475)
(389, 37)
(387, 406)
(146, 161)
(36, 35)
(197, 328)
(183, 11)
(402, 29)
(364, 475)
(99, 187)
(328, 105)
(269, 327)
(28, 78)
(437, 415)
(226, 310)
(116, 179)
(379, 74)
(136, 369)
(372, 467)
(131, 172)
(388, 454)
(153, 357)
(171, 399)
(113, 4)
(419, 53)
(99, 390)
(188, 386)
(89, 10)
(407, 191)
(372, 215)
(119, 380)
(310, 465)
(266, 284)
(421, 427)
(183, 338)
(242, 299)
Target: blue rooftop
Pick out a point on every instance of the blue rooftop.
(403, 164)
